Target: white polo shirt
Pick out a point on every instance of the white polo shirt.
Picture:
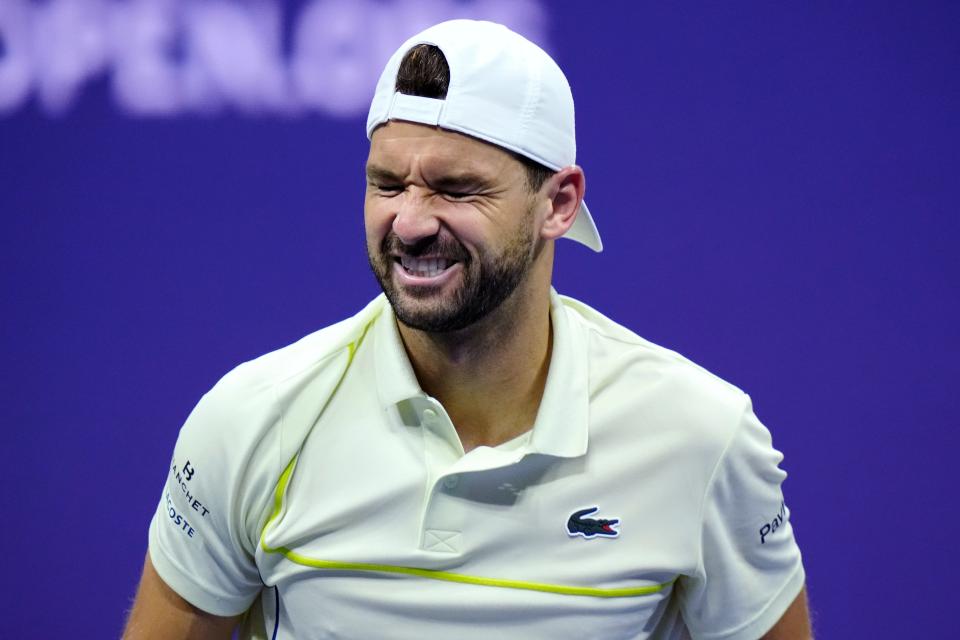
(644, 503)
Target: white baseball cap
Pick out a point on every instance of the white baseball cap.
(503, 89)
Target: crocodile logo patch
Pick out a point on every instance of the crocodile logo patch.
(580, 525)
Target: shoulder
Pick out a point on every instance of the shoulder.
(250, 424)
(641, 378)
(270, 374)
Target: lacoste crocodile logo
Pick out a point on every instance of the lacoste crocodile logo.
(580, 525)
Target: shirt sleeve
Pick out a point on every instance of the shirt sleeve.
(199, 539)
(750, 566)
(229, 456)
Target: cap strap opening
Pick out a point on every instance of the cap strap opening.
(415, 109)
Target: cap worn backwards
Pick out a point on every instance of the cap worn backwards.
(503, 89)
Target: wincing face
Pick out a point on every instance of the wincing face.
(449, 224)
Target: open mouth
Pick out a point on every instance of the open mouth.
(425, 267)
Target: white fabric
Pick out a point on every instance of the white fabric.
(670, 450)
(503, 89)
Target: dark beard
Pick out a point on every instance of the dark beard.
(484, 286)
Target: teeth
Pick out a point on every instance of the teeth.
(425, 267)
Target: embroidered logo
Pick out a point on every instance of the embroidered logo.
(580, 525)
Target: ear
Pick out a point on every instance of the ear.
(564, 193)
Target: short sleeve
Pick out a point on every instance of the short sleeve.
(229, 457)
(750, 565)
(199, 543)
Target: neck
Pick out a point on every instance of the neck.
(490, 376)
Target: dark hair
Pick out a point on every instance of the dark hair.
(424, 72)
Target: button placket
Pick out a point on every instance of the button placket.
(434, 418)
(441, 541)
(442, 521)
(442, 516)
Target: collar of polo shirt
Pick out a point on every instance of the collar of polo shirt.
(561, 424)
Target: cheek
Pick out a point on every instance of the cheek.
(377, 220)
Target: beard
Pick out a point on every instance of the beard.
(485, 283)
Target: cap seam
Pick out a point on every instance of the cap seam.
(534, 91)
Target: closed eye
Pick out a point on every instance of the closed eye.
(389, 188)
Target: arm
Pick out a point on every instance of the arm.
(752, 571)
(159, 612)
(795, 622)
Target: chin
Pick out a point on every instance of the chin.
(425, 312)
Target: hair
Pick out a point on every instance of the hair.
(424, 72)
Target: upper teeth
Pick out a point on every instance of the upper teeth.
(427, 267)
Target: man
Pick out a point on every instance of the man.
(472, 455)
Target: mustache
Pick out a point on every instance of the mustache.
(434, 245)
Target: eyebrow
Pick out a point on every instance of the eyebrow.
(379, 174)
(460, 182)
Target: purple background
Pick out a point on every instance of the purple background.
(778, 191)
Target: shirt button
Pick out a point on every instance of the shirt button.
(451, 481)
(429, 416)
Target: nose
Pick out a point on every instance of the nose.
(414, 219)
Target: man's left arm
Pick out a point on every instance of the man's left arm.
(795, 622)
(750, 582)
